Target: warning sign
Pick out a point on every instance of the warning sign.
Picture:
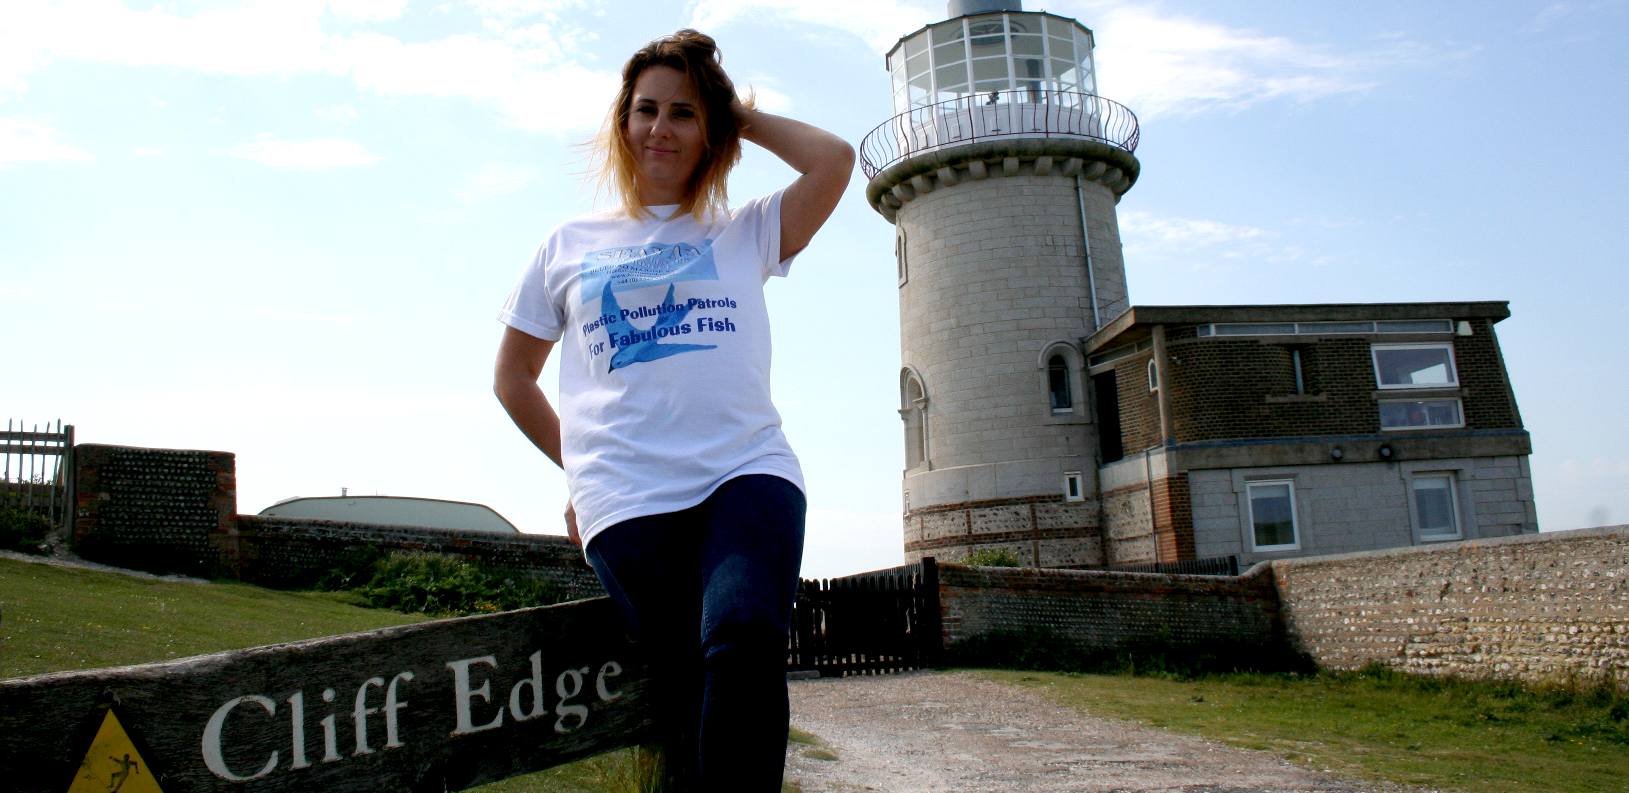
(112, 765)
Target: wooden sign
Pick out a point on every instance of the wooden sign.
(443, 705)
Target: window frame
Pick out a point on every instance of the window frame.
(1459, 406)
(1250, 516)
(1376, 349)
(1455, 513)
(1074, 478)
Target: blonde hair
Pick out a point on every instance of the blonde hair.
(696, 56)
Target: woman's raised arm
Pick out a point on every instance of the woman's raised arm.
(823, 160)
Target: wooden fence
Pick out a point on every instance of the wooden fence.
(36, 470)
(867, 624)
(443, 705)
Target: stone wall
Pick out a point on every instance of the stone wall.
(1538, 608)
(160, 510)
(295, 552)
(1100, 611)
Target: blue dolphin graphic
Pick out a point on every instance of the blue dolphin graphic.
(647, 348)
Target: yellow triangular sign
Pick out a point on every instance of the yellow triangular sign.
(112, 765)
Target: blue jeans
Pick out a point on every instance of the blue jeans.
(708, 592)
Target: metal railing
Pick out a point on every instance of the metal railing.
(999, 114)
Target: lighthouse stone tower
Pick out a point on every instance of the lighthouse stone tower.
(1000, 171)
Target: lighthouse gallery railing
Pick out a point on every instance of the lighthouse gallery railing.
(998, 114)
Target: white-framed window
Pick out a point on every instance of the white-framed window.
(1074, 486)
(1414, 365)
(1434, 505)
(1415, 414)
(1153, 376)
(1273, 525)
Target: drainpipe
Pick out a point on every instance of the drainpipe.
(1086, 247)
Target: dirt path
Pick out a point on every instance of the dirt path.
(955, 732)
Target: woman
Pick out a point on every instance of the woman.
(684, 492)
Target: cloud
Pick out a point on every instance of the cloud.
(306, 155)
(1168, 65)
(25, 140)
(879, 23)
(1203, 243)
(367, 10)
(523, 61)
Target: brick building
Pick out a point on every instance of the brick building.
(1271, 431)
(1045, 414)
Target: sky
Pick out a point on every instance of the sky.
(283, 229)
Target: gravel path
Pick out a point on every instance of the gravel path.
(955, 732)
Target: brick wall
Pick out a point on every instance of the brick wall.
(1245, 388)
(1139, 407)
(1173, 519)
(1538, 608)
(294, 552)
(1102, 611)
(161, 510)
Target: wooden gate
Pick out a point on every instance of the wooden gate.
(36, 471)
(867, 624)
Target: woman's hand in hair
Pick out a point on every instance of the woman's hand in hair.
(823, 160)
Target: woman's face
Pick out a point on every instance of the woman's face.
(664, 132)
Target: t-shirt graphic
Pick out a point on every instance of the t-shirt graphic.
(641, 346)
(633, 267)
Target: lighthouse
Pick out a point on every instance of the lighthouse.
(1000, 171)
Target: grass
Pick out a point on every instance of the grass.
(55, 619)
(59, 618)
(1472, 736)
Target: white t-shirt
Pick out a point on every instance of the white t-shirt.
(664, 355)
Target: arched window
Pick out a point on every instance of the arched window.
(913, 410)
(1057, 381)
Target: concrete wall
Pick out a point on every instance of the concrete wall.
(1538, 608)
(1349, 507)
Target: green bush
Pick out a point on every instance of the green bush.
(435, 584)
(992, 557)
(22, 530)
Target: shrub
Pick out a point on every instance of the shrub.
(435, 584)
(992, 557)
(22, 530)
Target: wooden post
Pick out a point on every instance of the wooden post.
(443, 705)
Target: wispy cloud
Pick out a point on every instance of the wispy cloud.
(1203, 243)
(879, 23)
(27, 140)
(1169, 65)
(523, 60)
(306, 155)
